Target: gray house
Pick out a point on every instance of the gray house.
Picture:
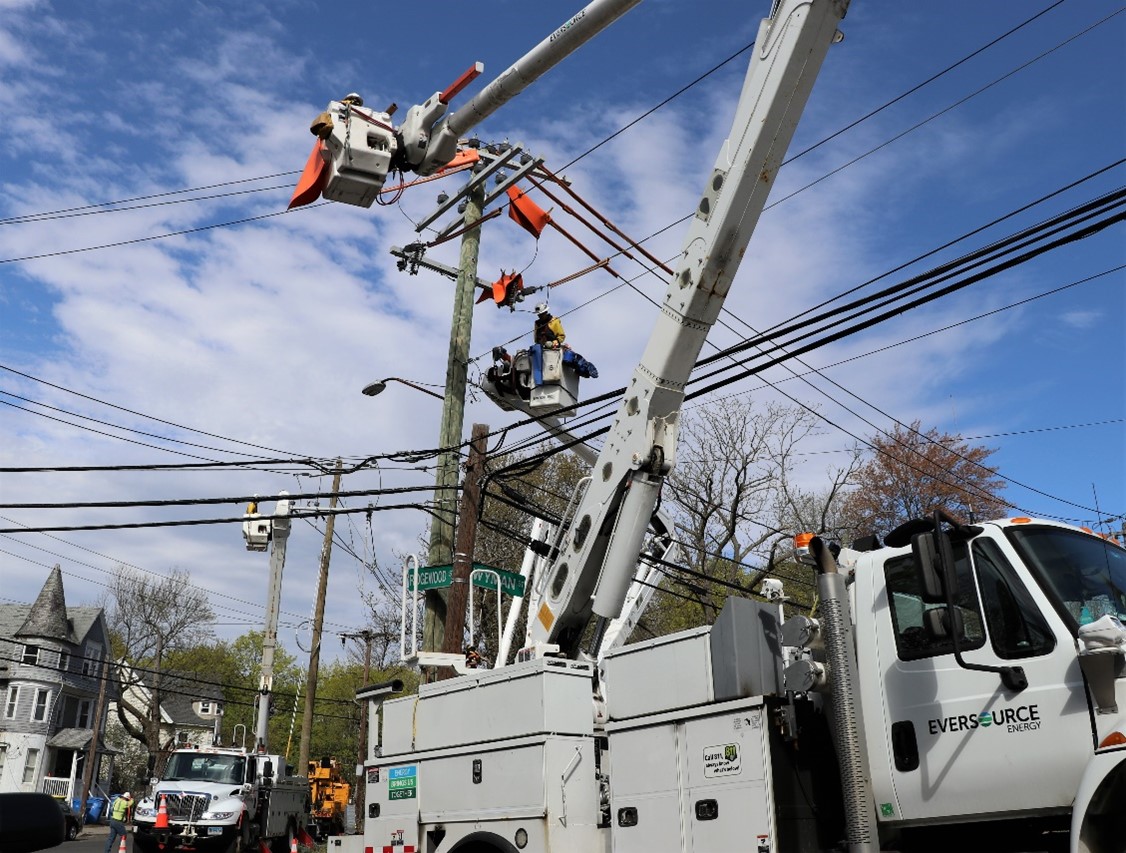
(50, 662)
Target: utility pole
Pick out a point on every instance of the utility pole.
(318, 624)
(92, 749)
(466, 541)
(453, 414)
(367, 636)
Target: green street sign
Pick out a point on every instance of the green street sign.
(432, 577)
(440, 577)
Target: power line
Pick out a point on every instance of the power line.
(194, 522)
(361, 493)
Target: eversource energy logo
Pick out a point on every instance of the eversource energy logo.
(1022, 718)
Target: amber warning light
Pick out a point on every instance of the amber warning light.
(801, 548)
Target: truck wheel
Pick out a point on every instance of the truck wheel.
(241, 842)
(283, 844)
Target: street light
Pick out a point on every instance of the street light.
(380, 385)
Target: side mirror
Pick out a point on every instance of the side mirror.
(268, 769)
(924, 551)
(934, 560)
(250, 771)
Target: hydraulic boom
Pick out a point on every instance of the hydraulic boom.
(597, 557)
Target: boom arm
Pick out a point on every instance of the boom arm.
(598, 555)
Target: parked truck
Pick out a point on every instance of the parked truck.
(228, 798)
(898, 719)
(330, 793)
(219, 798)
(958, 687)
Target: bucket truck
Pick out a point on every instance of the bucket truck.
(227, 798)
(959, 688)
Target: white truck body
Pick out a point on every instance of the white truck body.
(706, 743)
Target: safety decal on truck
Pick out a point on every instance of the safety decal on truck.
(402, 783)
(722, 760)
(373, 775)
(397, 845)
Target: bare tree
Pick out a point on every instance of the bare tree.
(735, 503)
(910, 472)
(149, 617)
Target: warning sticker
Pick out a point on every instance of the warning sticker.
(722, 760)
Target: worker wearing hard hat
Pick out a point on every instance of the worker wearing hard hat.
(548, 330)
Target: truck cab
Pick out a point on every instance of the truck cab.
(946, 741)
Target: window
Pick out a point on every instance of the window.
(205, 707)
(30, 765)
(64, 661)
(13, 700)
(912, 639)
(39, 707)
(1085, 575)
(30, 656)
(82, 718)
(91, 661)
(1016, 626)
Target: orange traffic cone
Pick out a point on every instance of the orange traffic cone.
(161, 815)
(121, 849)
(293, 845)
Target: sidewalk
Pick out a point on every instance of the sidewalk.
(94, 830)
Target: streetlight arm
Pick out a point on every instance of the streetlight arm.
(380, 385)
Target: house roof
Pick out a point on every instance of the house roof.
(48, 617)
(179, 692)
(78, 739)
(21, 623)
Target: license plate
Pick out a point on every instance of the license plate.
(214, 830)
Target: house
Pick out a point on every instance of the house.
(191, 710)
(50, 664)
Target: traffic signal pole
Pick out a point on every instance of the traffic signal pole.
(453, 417)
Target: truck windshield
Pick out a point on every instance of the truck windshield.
(1085, 574)
(202, 767)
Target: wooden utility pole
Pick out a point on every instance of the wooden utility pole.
(466, 541)
(318, 623)
(453, 419)
(96, 733)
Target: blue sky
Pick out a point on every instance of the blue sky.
(264, 332)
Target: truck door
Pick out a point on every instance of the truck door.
(962, 744)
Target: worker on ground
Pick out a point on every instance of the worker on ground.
(548, 329)
(119, 817)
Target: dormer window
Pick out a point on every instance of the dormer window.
(30, 656)
(205, 707)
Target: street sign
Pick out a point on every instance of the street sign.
(440, 577)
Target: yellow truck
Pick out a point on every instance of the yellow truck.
(330, 795)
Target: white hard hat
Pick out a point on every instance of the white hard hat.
(354, 98)
(127, 795)
(541, 308)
